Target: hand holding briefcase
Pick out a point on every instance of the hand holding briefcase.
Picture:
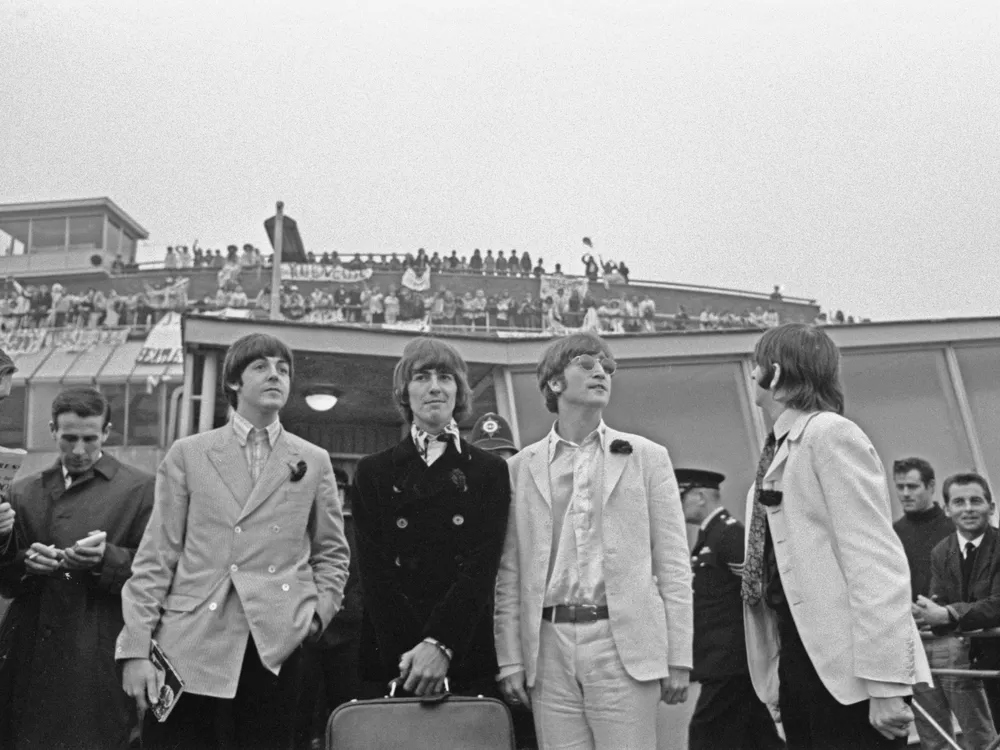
(436, 722)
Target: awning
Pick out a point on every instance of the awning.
(86, 368)
(119, 366)
(28, 363)
(53, 368)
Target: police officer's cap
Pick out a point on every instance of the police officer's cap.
(689, 479)
(492, 433)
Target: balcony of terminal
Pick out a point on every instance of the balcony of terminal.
(53, 238)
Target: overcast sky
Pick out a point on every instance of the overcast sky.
(847, 150)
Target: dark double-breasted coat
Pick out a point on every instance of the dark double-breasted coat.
(719, 643)
(58, 684)
(429, 543)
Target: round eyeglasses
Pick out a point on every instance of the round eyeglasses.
(589, 362)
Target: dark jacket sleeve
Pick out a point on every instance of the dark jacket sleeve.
(453, 620)
(985, 612)
(117, 564)
(14, 580)
(396, 626)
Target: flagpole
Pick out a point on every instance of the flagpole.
(279, 230)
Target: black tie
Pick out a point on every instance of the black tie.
(967, 565)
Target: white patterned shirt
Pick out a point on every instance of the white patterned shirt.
(430, 447)
(257, 442)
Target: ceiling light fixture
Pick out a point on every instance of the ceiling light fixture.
(321, 401)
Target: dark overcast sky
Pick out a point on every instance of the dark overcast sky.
(847, 150)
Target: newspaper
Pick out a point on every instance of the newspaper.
(10, 461)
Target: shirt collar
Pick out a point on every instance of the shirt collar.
(962, 541)
(450, 429)
(555, 439)
(783, 424)
(708, 519)
(243, 428)
(65, 471)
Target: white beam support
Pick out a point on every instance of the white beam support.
(206, 409)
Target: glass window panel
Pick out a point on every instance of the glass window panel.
(114, 237)
(48, 234)
(12, 423)
(143, 416)
(115, 394)
(13, 237)
(86, 232)
(905, 403)
(698, 411)
(127, 248)
(980, 367)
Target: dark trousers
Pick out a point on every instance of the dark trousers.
(331, 677)
(811, 717)
(262, 715)
(730, 716)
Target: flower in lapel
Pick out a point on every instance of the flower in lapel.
(298, 470)
(624, 447)
(458, 479)
(770, 498)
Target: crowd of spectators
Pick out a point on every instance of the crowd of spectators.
(45, 306)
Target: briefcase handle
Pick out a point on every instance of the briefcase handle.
(438, 698)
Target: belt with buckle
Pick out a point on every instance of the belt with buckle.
(575, 613)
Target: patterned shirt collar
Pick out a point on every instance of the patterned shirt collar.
(243, 428)
(555, 439)
(420, 436)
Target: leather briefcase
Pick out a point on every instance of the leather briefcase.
(440, 722)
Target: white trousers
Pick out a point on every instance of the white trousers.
(583, 699)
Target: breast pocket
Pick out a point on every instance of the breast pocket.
(292, 513)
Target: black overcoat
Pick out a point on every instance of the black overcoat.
(719, 642)
(429, 544)
(59, 687)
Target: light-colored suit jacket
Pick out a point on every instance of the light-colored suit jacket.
(842, 566)
(223, 558)
(646, 568)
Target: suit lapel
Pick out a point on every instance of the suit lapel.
(614, 465)
(794, 433)
(953, 563)
(276, 472)
(538, 465)
(229, 460)
(983, 557)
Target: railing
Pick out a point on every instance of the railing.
(970, 674)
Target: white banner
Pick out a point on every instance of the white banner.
(320, 272)
(417, 282)
(414, 326)
(550, 285)
(163, 345)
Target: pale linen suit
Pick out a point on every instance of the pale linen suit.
(224, 559)
(842, 566)
(647, 574)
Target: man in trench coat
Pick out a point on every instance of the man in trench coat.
(58, 683)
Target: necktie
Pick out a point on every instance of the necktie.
(967, 565)
(753, 566)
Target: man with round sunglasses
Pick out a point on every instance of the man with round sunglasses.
(593, 617)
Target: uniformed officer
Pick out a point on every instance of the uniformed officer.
(493, 433)
(728, 714)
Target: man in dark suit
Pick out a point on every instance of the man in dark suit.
(431, 514)
(728, 714)
(965, 595)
